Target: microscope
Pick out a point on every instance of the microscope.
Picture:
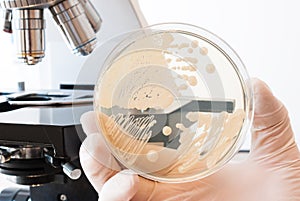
(40, 131)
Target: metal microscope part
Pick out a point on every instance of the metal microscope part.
(4, 156)
(71, 171)
(47, 144)
(78, 21)
(12, 154)
(30, 33)
(67, 166)
(27, 3)
(25, 152)
(92, 14)
(71, 18)
(47, 98)
(7, 26)
(58, 131)
(15, 194)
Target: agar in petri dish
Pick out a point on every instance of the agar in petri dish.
(173, 102)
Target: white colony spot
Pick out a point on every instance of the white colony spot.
(152, 156)
(203, 51)
(185, 136)
(190, 50)
(192, 116)
(191, 59)
(182, 87)
(194, 44)
(183, 45)
(185, 77)
(167, 130)
(210, 68)
(188, 68)
(181, 169)
(181, 127)
(192, 80)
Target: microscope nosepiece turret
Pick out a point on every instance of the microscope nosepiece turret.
(78, 21)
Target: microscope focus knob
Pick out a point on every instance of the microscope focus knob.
(71, 171)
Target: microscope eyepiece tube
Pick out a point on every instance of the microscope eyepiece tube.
(73, 22)
(29, 30)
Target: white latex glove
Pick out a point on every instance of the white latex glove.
(271, 173)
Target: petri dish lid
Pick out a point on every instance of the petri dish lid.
(173, 102)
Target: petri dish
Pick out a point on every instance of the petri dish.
(173, 102)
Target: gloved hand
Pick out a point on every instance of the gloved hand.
(271, 172)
